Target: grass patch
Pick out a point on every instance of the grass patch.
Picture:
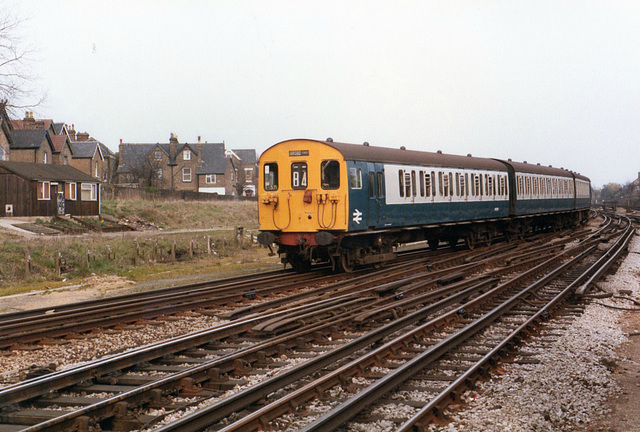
(138, 256)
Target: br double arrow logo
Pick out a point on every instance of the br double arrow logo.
(357, 216)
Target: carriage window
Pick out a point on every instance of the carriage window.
(422, 183)
(413, 183)
(355, 178)
(330, 174)
(299, 175)
(372, 180)
(445, 185)
(380, 190)
(461, 184)
(401, 182)
(428, 189)
(271, 176)
(407, 184)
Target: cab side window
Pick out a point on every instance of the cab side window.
(330, 174)
(271, 176)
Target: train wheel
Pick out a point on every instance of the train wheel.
(345, 264)
(433, 244)
(452, 242)
(471, 240)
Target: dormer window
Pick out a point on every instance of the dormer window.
(157, 155)
(186, 155)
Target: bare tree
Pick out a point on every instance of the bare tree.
(146, 171)
(241, 181)
(17, 85)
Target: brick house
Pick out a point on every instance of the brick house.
(248, 170)
(217, 173)
(199, 167)
(31, 145)
(91, 156)
(35, 141)
(62, 152)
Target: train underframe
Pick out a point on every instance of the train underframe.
(346, 251)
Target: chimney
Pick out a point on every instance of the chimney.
(29, 120)
(173, 146)
(199, 139)
(82, 136)
(121, 146)
(72, 132)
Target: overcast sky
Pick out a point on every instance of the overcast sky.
(554, 82)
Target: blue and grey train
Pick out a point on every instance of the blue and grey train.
(352, 204)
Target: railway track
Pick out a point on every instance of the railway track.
(43, 325)
(284, 353)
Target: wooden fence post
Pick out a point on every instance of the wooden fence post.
(239, 235)
(27, 263)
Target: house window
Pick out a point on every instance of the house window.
(248, 175)
(44, 190)
(210, 179)
(186, 155)
(159, 173)
(70, 191)
(186, 175)
(95, 170)
(45, 158)
(3, 154)
(157, 155)
(88, 192)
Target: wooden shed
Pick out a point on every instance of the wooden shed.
(34, 189)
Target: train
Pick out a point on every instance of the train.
(351, 205)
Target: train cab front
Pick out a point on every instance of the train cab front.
(302, 202)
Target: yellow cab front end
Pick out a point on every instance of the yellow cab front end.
(302, 196)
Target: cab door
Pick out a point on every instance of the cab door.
(375, 192)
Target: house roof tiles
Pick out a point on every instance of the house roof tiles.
(46, 172)
(28, 138)
(85, 149)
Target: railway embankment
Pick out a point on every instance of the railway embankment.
(178, 238)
